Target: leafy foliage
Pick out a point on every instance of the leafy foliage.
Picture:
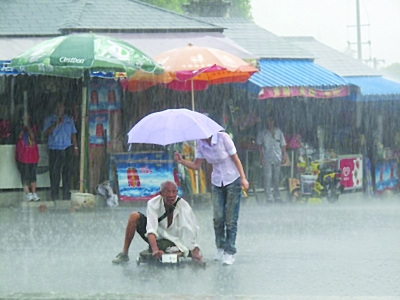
(174, 5)
(238, 8)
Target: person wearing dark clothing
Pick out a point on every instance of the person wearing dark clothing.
(62, 144)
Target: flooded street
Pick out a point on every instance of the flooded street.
(344, 250)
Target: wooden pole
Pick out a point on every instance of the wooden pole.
(192, 87)
(83, 136)
(196, 172)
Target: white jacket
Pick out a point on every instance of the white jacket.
(184, 230)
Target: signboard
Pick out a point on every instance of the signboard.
(386, 178)
(352, 171)
(140, 174)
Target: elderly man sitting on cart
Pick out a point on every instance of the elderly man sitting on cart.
(170, 222)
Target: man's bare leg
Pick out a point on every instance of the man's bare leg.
(133, 221)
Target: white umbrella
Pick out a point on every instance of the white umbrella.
(173, 126)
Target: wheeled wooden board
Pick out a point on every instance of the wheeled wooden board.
(175, 258)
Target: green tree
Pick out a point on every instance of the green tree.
(237, 8)
(241, 8)
(174, 5)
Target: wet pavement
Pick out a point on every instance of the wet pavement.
(345, 250)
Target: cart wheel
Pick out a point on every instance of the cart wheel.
(332, 194)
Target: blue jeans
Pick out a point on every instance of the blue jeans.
(226, 205)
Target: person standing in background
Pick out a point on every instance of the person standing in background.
(62, 144)
(273, 155)
(27, 156)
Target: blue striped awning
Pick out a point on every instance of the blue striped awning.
(295, 78)
(5, 69)
(375, 88)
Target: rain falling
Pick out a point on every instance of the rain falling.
(308, 168)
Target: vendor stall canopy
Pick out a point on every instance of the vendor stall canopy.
(375, 88)
(290, 78)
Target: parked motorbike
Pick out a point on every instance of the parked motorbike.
(323, 181)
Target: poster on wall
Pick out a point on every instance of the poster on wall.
(352, 171)
(386, 176)
(98, 125)
(104, 95)
(140, 174)
(104, 105)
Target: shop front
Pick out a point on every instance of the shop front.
(313, 110)
(378, 110)
(35, 95)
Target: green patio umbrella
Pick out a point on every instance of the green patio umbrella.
(70, 55)
(75, 56)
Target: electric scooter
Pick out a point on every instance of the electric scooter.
(322, 182)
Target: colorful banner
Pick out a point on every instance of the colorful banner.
(141, 174)
(386, 178)
(288, 92)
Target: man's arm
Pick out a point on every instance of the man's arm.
(152, 225)
(157, 253)
(49, 126)
(75, 143)
(283, 146)
(284, 156)
(190, 231)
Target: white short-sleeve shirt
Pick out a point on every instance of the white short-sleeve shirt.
(219, 155)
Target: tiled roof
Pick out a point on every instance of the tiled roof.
(258, 40)
(125, 14)
(33, 17)
(332, 59)
(52, 17)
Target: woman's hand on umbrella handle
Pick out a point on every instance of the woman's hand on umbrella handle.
(178, 157)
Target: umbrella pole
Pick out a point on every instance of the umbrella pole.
(196, 172)
(192, 87)
(83, 136)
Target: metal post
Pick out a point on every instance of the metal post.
(359, 50)
(196, 172)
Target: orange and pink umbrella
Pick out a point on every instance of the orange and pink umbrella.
(193, 68)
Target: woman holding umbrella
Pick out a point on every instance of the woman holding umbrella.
(227, 180)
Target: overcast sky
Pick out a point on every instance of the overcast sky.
(329, 20)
